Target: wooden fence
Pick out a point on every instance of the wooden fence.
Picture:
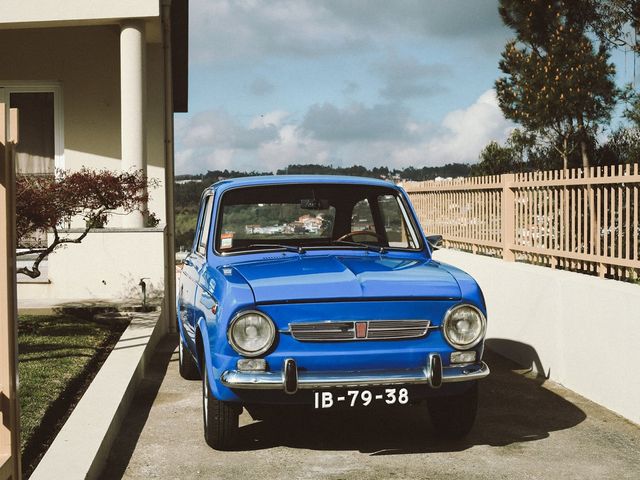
(584, 220)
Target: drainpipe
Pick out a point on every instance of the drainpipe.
(169, 248)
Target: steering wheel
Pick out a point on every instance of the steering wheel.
(362, 232)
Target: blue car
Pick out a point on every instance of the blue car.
(321, 291)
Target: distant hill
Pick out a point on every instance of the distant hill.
(188, 188)
(409, 173)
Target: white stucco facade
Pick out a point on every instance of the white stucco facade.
(106, 63)
(107, 265)
(83, 63)
(21, 13)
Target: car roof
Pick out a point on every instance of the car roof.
(298, 179)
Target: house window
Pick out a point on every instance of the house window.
(35, 153)
(39, 148)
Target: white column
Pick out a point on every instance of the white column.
(132, 106)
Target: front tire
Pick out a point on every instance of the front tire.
(453, 416)
(220, 418)
(187, 364)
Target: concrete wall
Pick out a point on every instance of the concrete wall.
(580, 331)
(85, 62)
(108, 265)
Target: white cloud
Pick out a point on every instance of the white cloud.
(462, 135)
(261, 87)
(216, 128)
(214, 140)
(270, 119)
(292, 146)
(356, 122)
(222, 29)
(406, 77)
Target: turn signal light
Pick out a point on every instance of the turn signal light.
(252, 364)
(463, 357)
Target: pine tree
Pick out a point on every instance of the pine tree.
(557, 84)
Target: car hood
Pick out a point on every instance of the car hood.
(323, 278)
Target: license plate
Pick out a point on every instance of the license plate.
(360, 398)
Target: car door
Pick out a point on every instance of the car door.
(193, 266)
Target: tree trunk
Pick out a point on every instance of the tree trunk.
(583, 152)
(583, 145)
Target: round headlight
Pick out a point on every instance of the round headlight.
(464, 326)
(251, 333)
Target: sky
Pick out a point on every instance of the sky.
(340, 82)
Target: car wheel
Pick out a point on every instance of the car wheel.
(188, 367)
(220, 418)
(453, 416)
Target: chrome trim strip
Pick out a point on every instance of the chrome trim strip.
(316, 380)
(344, 330)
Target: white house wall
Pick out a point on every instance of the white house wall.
(578, 330)
(107, 265)
(32, 11)
(84, 61)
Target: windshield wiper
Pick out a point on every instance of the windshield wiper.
(373, 248)
(288, 248)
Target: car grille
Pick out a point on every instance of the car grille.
(359, 330)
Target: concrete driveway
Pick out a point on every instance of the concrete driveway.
(526, 428)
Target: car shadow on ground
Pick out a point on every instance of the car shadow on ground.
(513, 408)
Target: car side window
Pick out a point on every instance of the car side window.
(362, 217)
(204, 227)
(395, 223)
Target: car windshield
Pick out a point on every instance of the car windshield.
(314, 216)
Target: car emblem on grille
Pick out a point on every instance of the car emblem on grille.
(361, 329)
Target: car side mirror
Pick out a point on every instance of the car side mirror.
(435, 242)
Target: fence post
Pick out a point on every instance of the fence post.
(9, 409)
(508, 213)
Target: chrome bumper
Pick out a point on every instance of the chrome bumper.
(290, 379)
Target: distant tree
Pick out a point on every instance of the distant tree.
(47, 203)
(513, 156)
(631, 97)
(495, 159)
(557, 84)
(622, 147)
(615, 22)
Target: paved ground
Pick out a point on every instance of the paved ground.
(525, 429)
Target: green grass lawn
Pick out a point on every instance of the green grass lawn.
(58, 356)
